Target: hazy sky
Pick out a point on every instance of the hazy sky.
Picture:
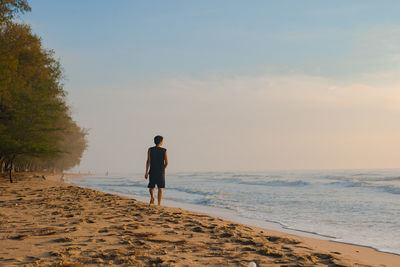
(231, 85)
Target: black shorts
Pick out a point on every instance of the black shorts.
(159, 181)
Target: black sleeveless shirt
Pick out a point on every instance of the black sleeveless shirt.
(157, 161)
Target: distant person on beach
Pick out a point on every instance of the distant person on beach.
(157, 161)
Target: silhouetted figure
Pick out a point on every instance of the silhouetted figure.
(157, 161)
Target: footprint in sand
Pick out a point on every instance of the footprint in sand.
(103, 230)
(64, 239)
(170, 232)
(20, 237)
(198, 229)
(90, 220)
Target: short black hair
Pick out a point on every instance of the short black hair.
(158, 139)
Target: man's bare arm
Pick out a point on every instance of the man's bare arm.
(166, 160)
(146, 175)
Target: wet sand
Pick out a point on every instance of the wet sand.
(49, 223)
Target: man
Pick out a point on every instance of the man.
(157, 161)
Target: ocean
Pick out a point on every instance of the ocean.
(352, 206)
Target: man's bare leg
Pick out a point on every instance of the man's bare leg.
(151, 190)
(159, 196)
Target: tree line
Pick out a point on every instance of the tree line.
(37, 132)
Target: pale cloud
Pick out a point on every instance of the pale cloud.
(298, 90)
(247, 122)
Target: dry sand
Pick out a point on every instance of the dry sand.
(49, 223)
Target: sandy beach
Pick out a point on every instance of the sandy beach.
(50, 223)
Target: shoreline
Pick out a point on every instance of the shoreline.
(230, 215)
(224, 214)
(272, 225)
(85, 232)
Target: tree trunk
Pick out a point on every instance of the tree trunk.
(2, 165)
(6, 164)
(11, 167)
(10, 173)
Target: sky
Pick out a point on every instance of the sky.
(231, 85)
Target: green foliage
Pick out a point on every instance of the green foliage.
(36, 129)
(9, 8)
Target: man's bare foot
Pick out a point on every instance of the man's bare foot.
(152, 200)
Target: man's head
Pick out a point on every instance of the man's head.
(158, 140)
